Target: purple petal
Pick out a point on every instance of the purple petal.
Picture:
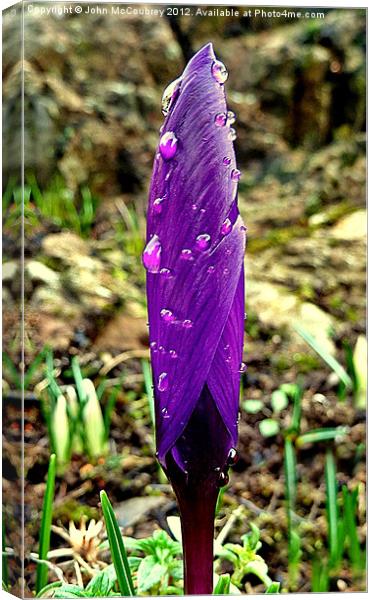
(194, 293)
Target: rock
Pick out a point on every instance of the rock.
(66, 246)
(38, 272)
(277, 308)
(133, 510)
(351, 227)
(9, 270)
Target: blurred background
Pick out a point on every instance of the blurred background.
(93, 88)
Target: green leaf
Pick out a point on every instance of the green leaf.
(324, 354)
(117, 549)
(321, 435)
(46, 523)
(273, 588)
(353, 544)
(252, 406)
(279, 400)
(269, 427)
(332, 507)
(290, 476)
(150, 573)
(47, 588)
(70, 591)
(297, 409)
(223, 585)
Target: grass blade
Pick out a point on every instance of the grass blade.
(273, 588)
(223, 585)
(327, 358)
(297, 409)
(331, 507)
(321, 435)
(117, 549)
(147, 372)
(353, 544)
(290, 476)
(46, 523)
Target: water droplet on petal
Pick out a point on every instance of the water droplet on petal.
(226, 227)
(187, 324)
(242, 368)
(203, 241)
(157, 205)
(226, 160)
(153, 346)
(164, 413)
(232, 457)
(163, 382)
(162, 350)
(219, 72)
(235, 175)
(166, 273)
(220, 119)
(194, 206)
(232, 135)
(231, 117)
(186, 254)
(168, 145)
(211, 269)
(169, 95)
(226, 271)
(151, 257)
(223, 479)
(167, 315)
(173, 353)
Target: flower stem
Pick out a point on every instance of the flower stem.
(197, 503)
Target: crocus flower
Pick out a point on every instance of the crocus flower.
(195, 289)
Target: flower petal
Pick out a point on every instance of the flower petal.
(191, 295)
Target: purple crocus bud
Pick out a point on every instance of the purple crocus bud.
(196, 312)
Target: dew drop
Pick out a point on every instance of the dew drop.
(235, 175)
(226, 160)
(220, 119)
(226, 227)
(157, 205)
(167, 315)
(232, 135)
(186, 254)
(162, 350)
(242, 368)
(223, 479)
(211, 269)
(187, 324)
(226, 271)
(202, 211)
(231, 117)
(232, 457)
(219, 72)
(153, 346)
(203, 241)
(166, 273)
(169, 95)
(173, 353)
(163, 382)
(151, 257)
(194, 207)
(168, 145)
(164, 413)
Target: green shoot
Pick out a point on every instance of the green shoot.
(117, 549)
(223, 585)
(326, 356)
(46, 523)
(332, 508)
